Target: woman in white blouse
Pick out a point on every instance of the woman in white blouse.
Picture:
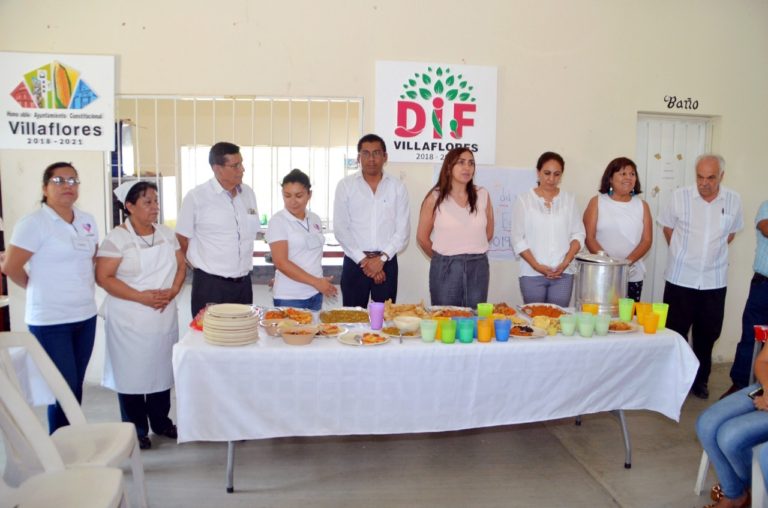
(295, 237)
(547, 232)
(619, 223)
(141, 267)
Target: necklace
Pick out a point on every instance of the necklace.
(148, 244)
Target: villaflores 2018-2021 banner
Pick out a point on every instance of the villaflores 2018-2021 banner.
(57, 102)
(425, 109)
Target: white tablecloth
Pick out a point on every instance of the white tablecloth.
(269, 389)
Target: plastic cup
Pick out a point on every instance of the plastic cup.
(661, 309)
(650, 322)
(502, 328)
(602, 322)
(466, 330)
(484, 309)
(626, 308)
(428, 330)
(568, 324)
(484, 330)
(440, 320)
(642, 308)
(448, 333)
(586, 324)
(376, 315)
(592, 308)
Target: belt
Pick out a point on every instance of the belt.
(759, 277)
(228, 279)
(372, 253)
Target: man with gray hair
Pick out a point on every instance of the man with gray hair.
(699, 223)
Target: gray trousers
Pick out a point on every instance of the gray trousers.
(460, 280)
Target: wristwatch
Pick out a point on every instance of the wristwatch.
(384, 258)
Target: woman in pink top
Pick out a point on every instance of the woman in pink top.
(455, 226)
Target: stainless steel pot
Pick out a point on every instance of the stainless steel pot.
(601, 279)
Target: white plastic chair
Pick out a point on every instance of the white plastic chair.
(92, 487)
(80, 443)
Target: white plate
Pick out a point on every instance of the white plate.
(538, 333)
(552, 305)
(284, 309)
(415, 335)
(342, 330)
(349, 339)
(436, 308)
(230, 310)
(634, 327)
(231, 344)
(359, 309)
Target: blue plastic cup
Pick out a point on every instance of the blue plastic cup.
(502, 327)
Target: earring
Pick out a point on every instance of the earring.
(610, 191)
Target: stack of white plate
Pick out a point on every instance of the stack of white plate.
(231, 324)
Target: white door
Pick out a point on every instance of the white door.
(667, 147)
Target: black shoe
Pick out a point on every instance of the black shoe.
(701, 392)
(732, 389)
(170, 432)
(144, 443)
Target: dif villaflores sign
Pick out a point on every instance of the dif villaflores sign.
(57, 102)
(423, 110)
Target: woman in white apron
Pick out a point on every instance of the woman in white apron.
(141, 267)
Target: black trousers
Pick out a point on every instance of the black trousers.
(208, 288)
(356, 286)
(699, 309)
(137, 408)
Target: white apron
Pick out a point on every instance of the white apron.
(139, 338)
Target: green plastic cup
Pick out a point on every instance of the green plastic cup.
(626, 308)
(449, 331)
(661, 309)
(568, 324)
(466, 330)
(586, 323)
(484, 309)
(602, 322)
(428, 330)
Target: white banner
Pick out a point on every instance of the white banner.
(57, 102)
(503, 185)
(425, 109)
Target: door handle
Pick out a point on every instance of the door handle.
(655, 191)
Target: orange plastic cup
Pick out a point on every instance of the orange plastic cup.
(650, 322)
(642, 308)
(485, 330)
(592, 308)
(440, 319)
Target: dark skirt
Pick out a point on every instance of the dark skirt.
(460, 280)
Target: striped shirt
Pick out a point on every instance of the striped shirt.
(698, 249)
(761, 250)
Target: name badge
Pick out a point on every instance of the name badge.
(83, 244)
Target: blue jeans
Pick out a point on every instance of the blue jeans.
(69, 345)
(728, 430)
(755, 313)
(762, 458)
(311, 303)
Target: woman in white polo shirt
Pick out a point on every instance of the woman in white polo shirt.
(295, 237)
(58, 243)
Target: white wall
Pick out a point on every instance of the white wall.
(573, 76)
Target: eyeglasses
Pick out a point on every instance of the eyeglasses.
(60, 180)
(238, 165)
(376, 154)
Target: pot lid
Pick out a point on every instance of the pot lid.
(600, 258)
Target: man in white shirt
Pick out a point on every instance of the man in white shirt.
(371, 217)
(699, 223)
(217, 226)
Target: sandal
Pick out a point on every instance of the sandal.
(716, 494)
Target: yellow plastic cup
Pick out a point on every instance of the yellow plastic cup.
(642, 308)
(592, 308)
(485, 330)
(650, 322)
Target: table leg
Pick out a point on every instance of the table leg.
(230, 466)
(619, 414)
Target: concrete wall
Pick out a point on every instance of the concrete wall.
(573, 76)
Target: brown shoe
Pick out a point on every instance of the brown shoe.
(732, 389)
